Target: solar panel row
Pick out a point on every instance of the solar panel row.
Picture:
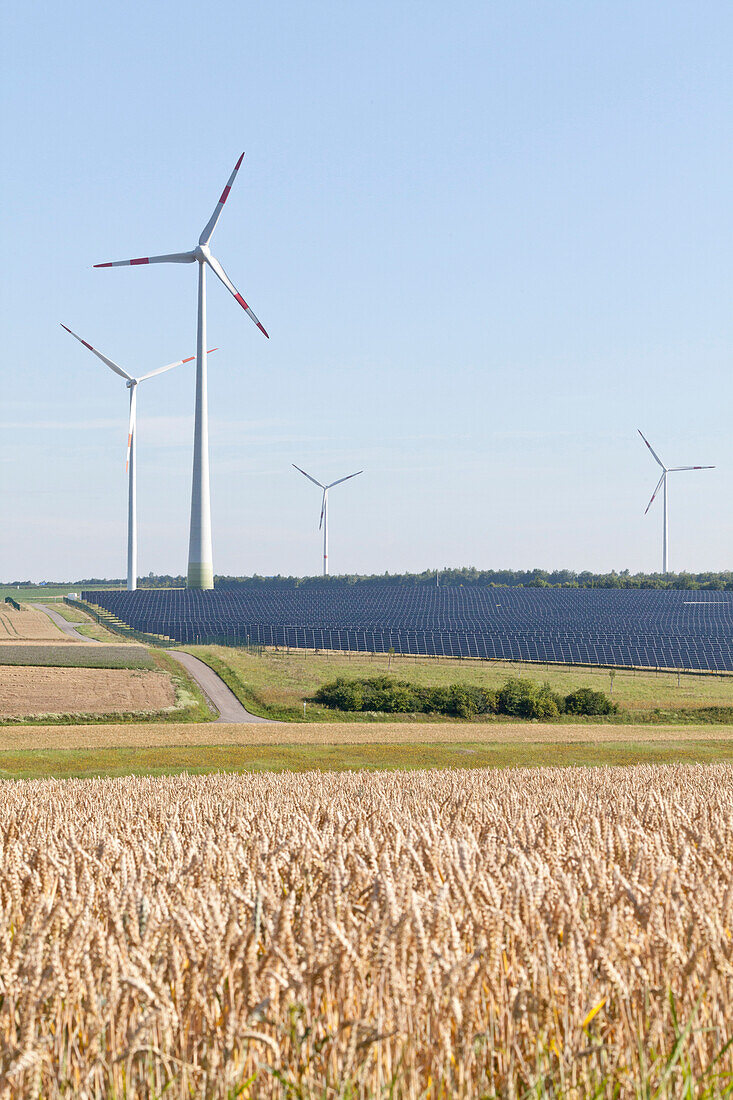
(647, 628)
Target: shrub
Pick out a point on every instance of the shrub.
(587, 701)
(525, 699)
(342, 695)
(466, 701)
(517, 697)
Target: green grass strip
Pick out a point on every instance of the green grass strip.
(76, 656)
(167, 760)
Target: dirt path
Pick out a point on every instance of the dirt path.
(62, 624)
(214, 688)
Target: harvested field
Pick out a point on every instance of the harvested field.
(27, 691)
(379, 735)
(27, 625)
(459, 934)
(76, 656)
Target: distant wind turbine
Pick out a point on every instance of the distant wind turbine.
(200, 558)
(324, 508)
(132, 384)
(663, 481)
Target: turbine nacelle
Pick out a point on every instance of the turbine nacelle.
(200, 558)
(666, 470)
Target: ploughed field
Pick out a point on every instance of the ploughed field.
(475, 933)
(646, 628)
(27, 691)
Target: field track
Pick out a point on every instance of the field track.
(221, 697)
(59, 621)
(144, 734)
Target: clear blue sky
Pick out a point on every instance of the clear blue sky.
(488, 241)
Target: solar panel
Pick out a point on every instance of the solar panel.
(625, 627)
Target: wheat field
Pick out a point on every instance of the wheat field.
(548, 932)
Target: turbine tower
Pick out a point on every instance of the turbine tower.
(663, 482)
(324, 509)
(132, 384)
(200, 558)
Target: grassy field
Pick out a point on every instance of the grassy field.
(35, 592)
(277, 683)
(76, 656)
(144, 759)
(71, 614)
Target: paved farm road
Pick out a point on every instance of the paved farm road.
(61, 623)
(223, 698)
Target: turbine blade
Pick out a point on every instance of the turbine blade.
(172, 258)
(131, 428)
(323, 509)
(308, 476)
(676, 469)
(219, 270)
(651, 448)
(654, 494)
(347, 478)
(179, 363)
(211, 224)
(112, 366)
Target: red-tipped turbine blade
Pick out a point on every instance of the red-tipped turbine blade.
(131, 427)
(211, 224)
(654, 494)
(170, 366)
(219, 270)
(651, 448)
(172, 258)
(112, 366)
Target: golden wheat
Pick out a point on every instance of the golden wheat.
(458, 934)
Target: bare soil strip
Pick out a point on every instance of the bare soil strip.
(147, 734)
(27, 691)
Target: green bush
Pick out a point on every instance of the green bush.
(518, 698)
(525, 699)
(587, 701)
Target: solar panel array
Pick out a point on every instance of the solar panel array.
(624, 627)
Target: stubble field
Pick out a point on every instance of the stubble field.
(560, 933)
(27, 625)
(27, 691)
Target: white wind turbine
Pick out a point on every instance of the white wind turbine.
(324, 508)
(200, 559)
(132, 384)
(663, 481)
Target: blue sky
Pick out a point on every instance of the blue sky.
(488, 241)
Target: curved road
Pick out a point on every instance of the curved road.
(221, 697)
(216, 691)
(62, 624)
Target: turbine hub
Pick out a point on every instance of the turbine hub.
(202, 252)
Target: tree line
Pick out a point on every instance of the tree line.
(466, 576)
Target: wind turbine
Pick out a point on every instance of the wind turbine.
(132, 384)
(324, 509)
(663, 481)
(200, 559)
